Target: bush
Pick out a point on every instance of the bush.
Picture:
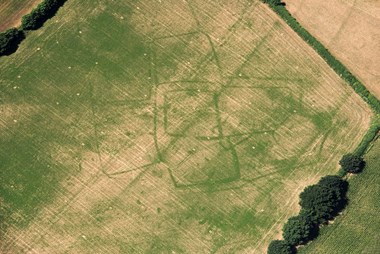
(352, 163)
(40, 14)
(280, 247)
(299, 230)
(9, 41)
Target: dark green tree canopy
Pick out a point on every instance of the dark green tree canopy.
(40, 14)
(299, 230)
(352, 163)
(321, 202)
(9, 41)
(335, 183)
(280, 247)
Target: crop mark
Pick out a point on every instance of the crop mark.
(224, 141)
(213, 103)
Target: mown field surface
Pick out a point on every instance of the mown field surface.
(350, 29)
(11, 12)
(165, 127)
(357, 229)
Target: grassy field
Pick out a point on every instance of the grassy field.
(357, 229)
(11, 12)
(165, 127)
(349, 29)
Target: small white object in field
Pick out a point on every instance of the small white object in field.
(80, 32)
(265, 133)
(57, 103)
(18, 76)
(144, 54)
(199, 90)
(15, 120)
(240, 74)
(96, 62)
(57, 42)
(121, 17)
(253, 147)
(145, 95)
(82, 144)
(69, 67)
(138, 8)
(149, 77)
(38, 49)
(110, 207)
(83, 236)
(78, 94)
(15, 87)
(294, 111)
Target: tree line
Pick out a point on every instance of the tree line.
(319, 203)
(11, 38)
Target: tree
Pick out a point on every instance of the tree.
(280, 247)
(320, 203)
(352, 163)
(9, 41)
(299, 230)
(336, 184)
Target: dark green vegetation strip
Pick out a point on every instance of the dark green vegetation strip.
(44, 11)
(10, 39)
(369, 136)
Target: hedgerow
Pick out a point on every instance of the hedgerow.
(9, 41)
(41, 14)
(334, 63)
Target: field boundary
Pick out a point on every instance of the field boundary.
(372, 133)
(323, 52)
(339, 69)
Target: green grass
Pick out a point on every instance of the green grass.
(356, 230)
(129, 130)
